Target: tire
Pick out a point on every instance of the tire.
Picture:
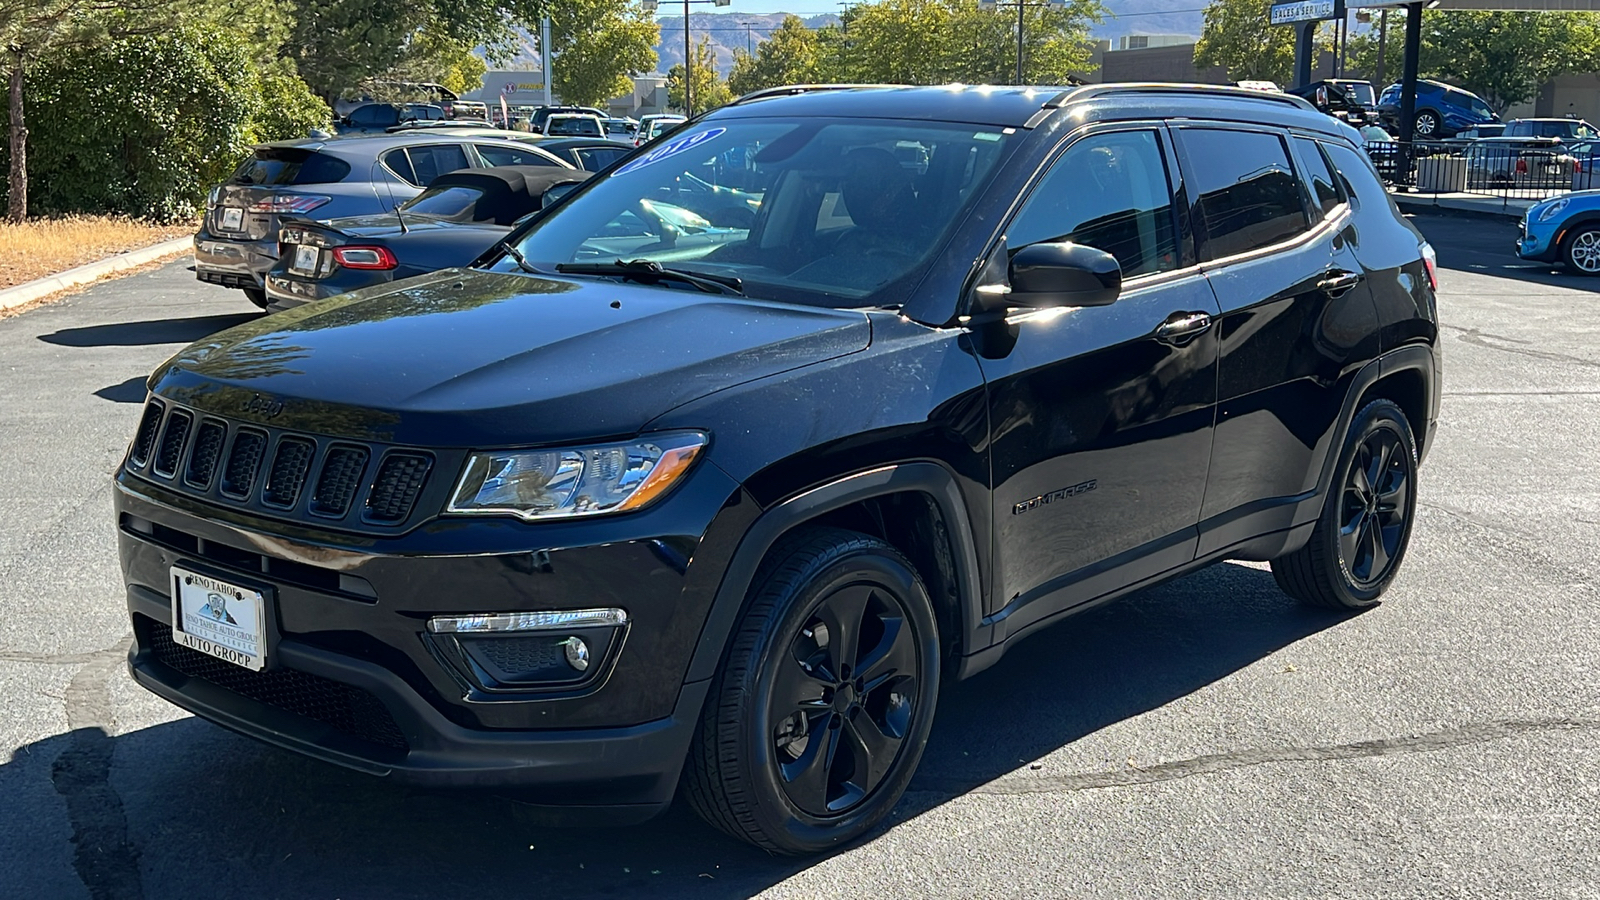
(1425, 125)
(1340, 567)
(1581, 250)
(258, 296)
(759, 766)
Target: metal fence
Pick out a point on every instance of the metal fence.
(1510, 170)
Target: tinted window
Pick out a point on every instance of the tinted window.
(454, 202)
(512, 156)
(375, 115)
(1109, 192)
(290, 165)
(397, 162)
(596, 158)
(436, 159)
(1361, 182)
(1247, 193)
(1323, 190)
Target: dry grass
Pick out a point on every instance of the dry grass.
(43, 247)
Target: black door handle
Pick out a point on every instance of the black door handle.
(1181, 328)
(1335, 282)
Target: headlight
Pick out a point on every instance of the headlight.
(580, 481)
(1554, 209)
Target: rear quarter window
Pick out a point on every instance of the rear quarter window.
(290, 166)
(1359, 178)
(1246, 190)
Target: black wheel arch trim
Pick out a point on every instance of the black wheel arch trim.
(1419, 358)
(924, 477)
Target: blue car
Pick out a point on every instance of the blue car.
(1564, 229)
(1442, 110)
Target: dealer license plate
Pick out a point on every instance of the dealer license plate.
(220, 619)
(305, 260)
(232, 218)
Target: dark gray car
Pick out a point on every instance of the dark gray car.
(323, 179)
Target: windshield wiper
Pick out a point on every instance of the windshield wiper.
(521, 261)
(648, 271)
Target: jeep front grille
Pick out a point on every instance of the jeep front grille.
(278, 473)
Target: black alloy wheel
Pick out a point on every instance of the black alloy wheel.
(1360, 539)
(842, 699)
(1375, 511)
(820, 710)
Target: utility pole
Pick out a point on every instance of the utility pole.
(688, 49)
(1383, 38)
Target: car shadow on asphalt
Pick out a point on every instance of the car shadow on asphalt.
(183, 330)
(130, 391)
(192, 809)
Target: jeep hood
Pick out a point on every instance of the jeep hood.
(462, 358)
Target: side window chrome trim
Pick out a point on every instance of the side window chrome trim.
(1324, 230)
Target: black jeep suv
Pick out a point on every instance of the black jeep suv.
(652, 499)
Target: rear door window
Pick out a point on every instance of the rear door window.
(290, 165)
(1247, 194)
(596, 158)
(1110, 192)
(512, 156)
(432, 160)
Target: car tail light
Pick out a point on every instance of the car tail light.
(288, 203)
(365, 257)
(1430, 261)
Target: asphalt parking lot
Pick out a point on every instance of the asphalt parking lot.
(1205, 738)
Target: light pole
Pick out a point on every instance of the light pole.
(688, 51)
(1020, 5)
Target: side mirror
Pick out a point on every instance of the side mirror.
(1063, 274)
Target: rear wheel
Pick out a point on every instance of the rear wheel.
(1581, 250)
(1426, 124)
(819, 713)
(258, 296)
(1361, 537)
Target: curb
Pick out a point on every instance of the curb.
(1488, 209)
(91, 272)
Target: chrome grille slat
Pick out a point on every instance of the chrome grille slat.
(170, 450)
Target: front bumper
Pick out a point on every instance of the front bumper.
(355, 679)
(1537, 244)
(232, 262)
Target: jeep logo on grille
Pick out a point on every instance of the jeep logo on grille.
(266, 407)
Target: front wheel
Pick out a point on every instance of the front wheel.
(1361, 536)
(1581, 250)
(821, 708)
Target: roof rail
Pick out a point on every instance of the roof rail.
(1089, 91)
(789, 90)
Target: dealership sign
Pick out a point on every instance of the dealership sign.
(1305, 11)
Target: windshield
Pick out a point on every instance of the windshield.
(453, 203)
(806, 210)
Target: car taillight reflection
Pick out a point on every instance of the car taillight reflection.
(288, 203)
(365, 257)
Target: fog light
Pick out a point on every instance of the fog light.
(577, 653)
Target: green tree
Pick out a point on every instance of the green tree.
(1502, 57)
(43, 30)
(1237, 34)
(598, 44)
(937, 41)
(709, 90)
(788, 56)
